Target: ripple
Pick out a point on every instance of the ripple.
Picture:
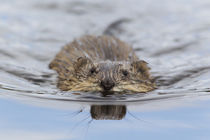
(177, 54)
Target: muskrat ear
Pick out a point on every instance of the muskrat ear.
(81, 62)
(141, 66)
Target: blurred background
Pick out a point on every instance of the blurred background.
(172, 36)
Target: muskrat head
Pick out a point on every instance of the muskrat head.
(108, 76)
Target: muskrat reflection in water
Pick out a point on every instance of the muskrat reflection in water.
(102, 64)
(108, 112)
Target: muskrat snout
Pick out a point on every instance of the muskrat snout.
(107, 84)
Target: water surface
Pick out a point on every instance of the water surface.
(172, 36)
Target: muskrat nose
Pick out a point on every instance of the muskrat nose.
(107, 84)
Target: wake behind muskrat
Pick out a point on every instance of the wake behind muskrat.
(101, 64)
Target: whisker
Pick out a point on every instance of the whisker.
(129, 84)
(138, 118)
(88, 126)
(77, 124)
(89, 86)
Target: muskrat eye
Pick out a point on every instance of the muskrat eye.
(93, 70)
(140, 70)
(125, 72)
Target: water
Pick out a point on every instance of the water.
(173, 36)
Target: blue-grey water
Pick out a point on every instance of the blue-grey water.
(172, 36)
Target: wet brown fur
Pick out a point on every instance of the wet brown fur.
(84, 63)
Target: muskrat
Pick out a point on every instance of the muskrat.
(101, 64)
